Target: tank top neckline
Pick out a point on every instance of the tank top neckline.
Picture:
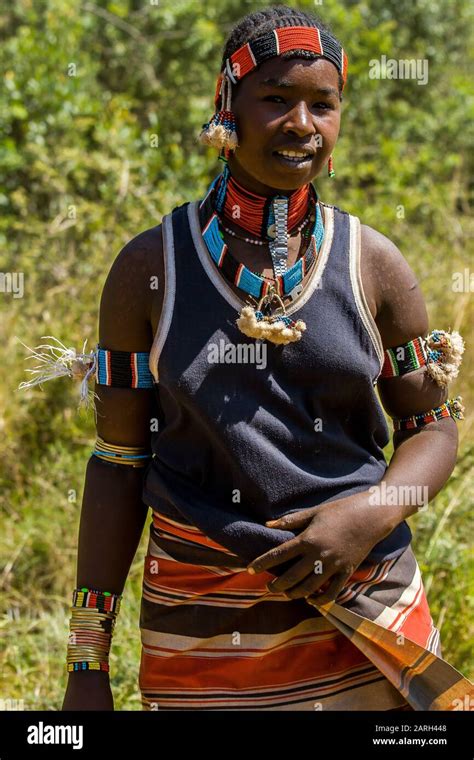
(221, 284)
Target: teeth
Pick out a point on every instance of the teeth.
(292, 153)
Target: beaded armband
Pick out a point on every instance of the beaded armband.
(121, 369)
(440, 351)
(451, 408)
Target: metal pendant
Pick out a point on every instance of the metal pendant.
(297, 290)
(265, 304)
(279, 246)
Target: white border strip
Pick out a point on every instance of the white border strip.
(358, 289)
(168, 297)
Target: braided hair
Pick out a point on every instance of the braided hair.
(275, 17)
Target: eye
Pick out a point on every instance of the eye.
(323, 105)
(270, 97)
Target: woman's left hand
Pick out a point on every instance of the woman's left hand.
(336, 537)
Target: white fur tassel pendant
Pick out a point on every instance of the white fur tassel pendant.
(444, 355)
(277, 328)
(60, 361)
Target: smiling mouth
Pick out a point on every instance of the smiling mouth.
(294, 160)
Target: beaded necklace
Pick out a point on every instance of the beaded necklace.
(255, 212)
(274, 325)
(258, 242)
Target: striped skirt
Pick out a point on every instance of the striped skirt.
(215, 638)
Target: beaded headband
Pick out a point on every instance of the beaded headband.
(279, 41)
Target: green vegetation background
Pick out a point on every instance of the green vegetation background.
(80, 176)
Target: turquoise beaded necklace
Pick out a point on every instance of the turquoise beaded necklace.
(275, 325)
(245, 278)
(265, 321)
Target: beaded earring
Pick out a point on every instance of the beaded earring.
(220, 131)
(331, 172)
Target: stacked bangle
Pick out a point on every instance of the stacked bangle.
(136, 456)
(91, 626)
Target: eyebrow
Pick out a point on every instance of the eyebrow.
(286, 83)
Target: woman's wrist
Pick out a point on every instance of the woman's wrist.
(372, 519)
(92, 622)
(385, 511)
(88, 678)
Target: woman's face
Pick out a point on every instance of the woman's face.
(299, 110)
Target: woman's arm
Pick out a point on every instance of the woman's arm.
(425, 457)
(113, 514)
(337, 536)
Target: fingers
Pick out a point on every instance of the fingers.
(310, 585)
(335, 587)
(292, 577)
(295, 520)
(334, 583)
(275, 556)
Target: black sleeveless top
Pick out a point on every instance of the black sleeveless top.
(249, 430)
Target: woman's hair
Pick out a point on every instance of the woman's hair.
(255, 24)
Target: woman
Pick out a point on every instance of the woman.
(275, 558)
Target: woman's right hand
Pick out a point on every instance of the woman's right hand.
(88, 690)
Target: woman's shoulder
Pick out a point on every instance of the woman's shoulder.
(138, 271)
(391, 289)
(148, 244)
(390, 286)
(135, 281)
(144, 244)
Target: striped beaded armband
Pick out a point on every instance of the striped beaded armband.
(135, 456)
(123, 369)
(104, 601)
(440, 351)
(404, 358)
(451, 408)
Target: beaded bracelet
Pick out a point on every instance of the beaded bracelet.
(105, 601)
(451, 408)
(86, 665)
(135, 456)
(92, 622)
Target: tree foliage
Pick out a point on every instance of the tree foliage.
(100, 110)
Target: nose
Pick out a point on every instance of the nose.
(300, 121)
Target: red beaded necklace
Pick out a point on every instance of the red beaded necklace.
(254, 209)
